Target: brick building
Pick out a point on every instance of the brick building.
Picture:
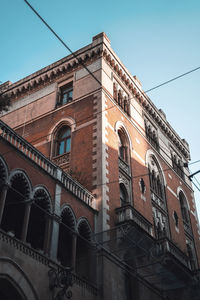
(94, 178)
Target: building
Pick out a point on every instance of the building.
(95, 190)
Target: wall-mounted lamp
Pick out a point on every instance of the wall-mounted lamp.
(59, 282)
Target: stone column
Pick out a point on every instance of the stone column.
(74, 242)
(48, 231)
(53, 247)
(26, 221)
(3, 195)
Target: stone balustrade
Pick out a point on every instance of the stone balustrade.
(128, 213)
(47, 165)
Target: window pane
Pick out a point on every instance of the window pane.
(61, 148)
(68, 145)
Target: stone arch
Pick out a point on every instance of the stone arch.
(67, 228)
(3, 171)
(19, 280)
(65, 122)
(149, 154)
(120, 126)
(83, 249)
(39, 218)
(18, 196)
(179, 189)
(184, 205)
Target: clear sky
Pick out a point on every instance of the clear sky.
(155, 39)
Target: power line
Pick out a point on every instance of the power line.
(62, 42)
(175, 78)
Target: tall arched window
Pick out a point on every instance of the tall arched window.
(158, 198)
(184, 208)
(39, 219)
(63, 141)
(123, 146)
(66, 231)
(123, 194)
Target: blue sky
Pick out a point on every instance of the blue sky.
(155, 39)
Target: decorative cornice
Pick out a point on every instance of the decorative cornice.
(130, 83)
(53, 72)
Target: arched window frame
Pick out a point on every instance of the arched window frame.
(66, 237)
(124, 197)
(63, 140)
(40, 212)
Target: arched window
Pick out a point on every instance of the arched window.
(66, 231)
(123, 194)
(156, 179)
(39, 219)
(63, 143)
(15, 204)
(123, 146)
(83, 250)
(184, 208)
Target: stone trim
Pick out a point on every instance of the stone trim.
(144, 100)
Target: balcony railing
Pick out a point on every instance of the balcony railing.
(43, 259)
(128, 213)
(47, 165)
(166, 246)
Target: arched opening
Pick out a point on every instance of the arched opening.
(123, 194)
(123, 146)
(184, 208)
(3, 174)
(65, 240)
(14, 210)
(8, 291)
(63, 141)
(38, 219)
(158, 198)
(83, 250)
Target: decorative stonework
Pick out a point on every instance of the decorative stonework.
(52, 72)
(145, 101)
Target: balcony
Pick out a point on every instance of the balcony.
(128, 213)
(62, 161)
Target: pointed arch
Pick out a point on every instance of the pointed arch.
(83, 250)
(18, 195)
(3, 171)
(151, 154)
(120, 126)
(39, 218)
(66, 232)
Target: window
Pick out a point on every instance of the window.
(65, 94)
(123, 194)
(151, 134)
(63, 140)
(123, 146)
(177, 165)
(121, 97)
(184, 208)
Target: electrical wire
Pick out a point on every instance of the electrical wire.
(175, 78)
(62, 42)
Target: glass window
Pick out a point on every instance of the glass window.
(66, 94)
(64, 140)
